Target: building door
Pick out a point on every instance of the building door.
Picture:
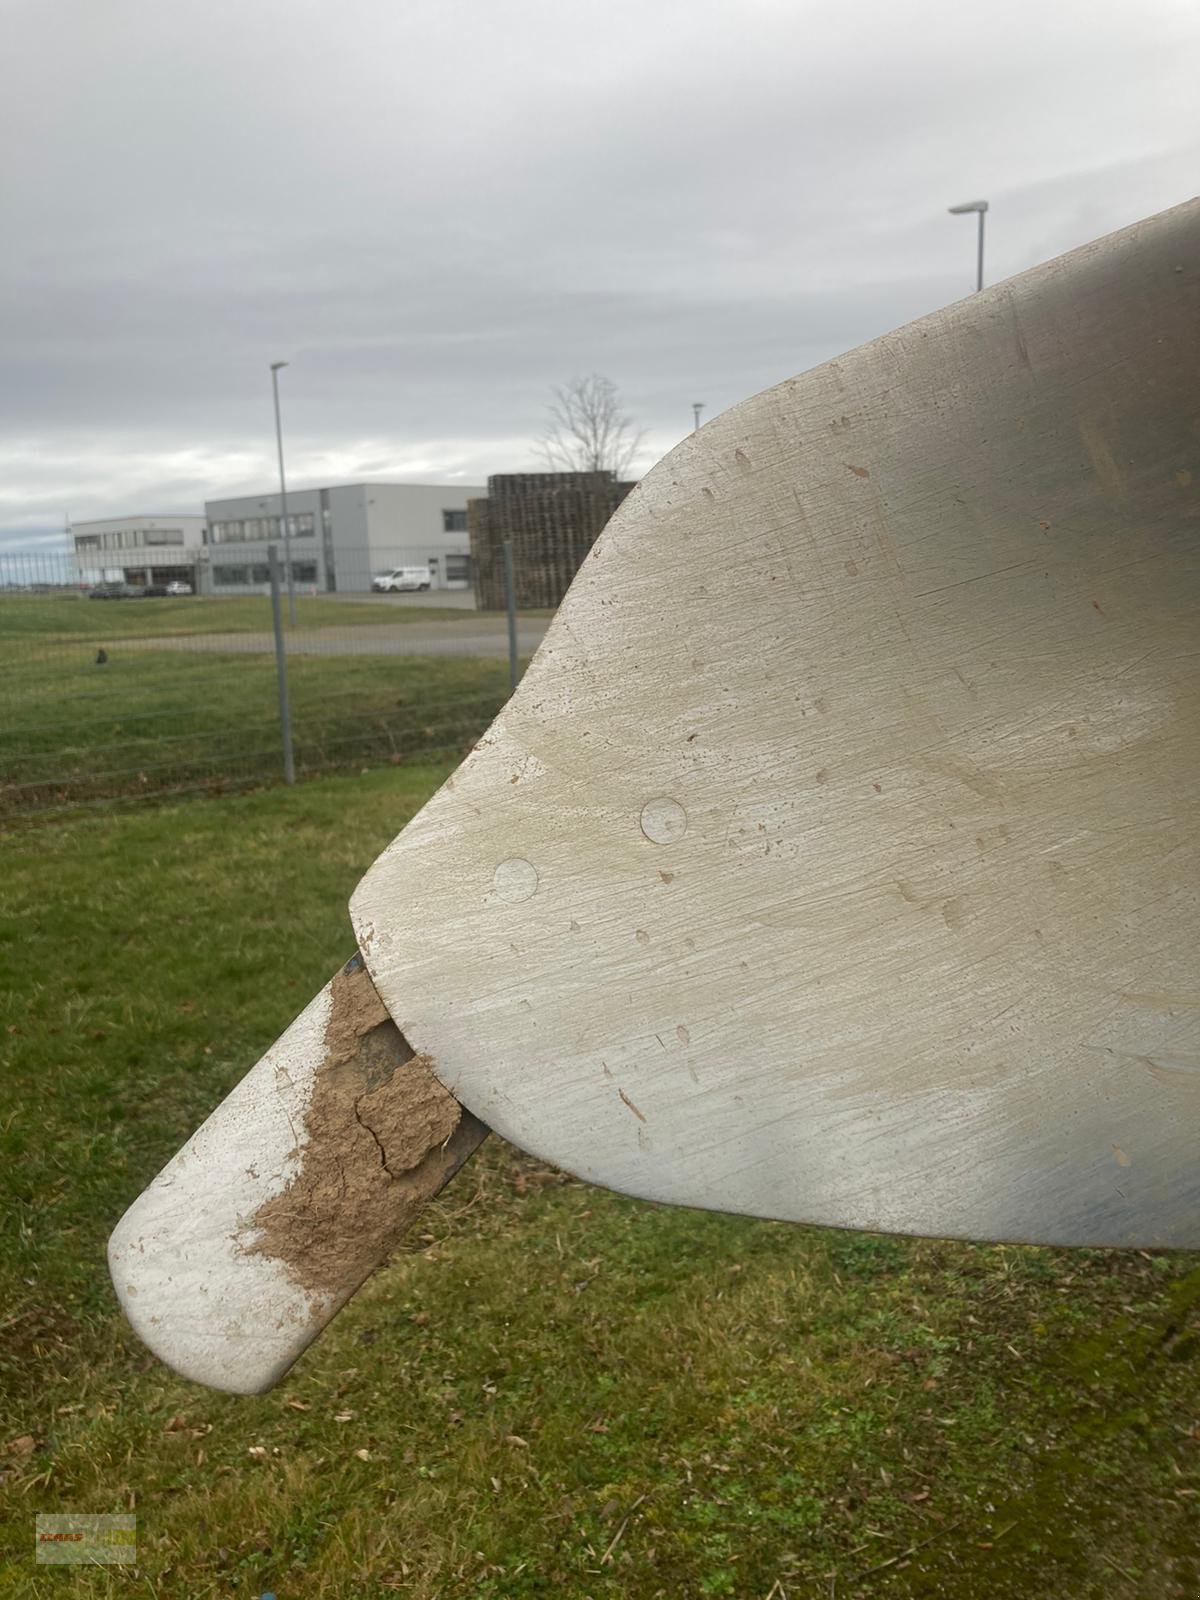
(458, 572)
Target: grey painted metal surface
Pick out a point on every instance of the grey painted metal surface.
(979, 209)
(285, 715)
(852, 879)
(183, 1258)
(836, 859)
(285, 520)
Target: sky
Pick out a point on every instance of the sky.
(437, 210)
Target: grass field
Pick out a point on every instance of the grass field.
(561, 1392)
(61, 618)
(170, 719)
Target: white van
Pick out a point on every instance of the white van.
(400, 579)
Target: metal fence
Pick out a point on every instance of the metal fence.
(142, 677)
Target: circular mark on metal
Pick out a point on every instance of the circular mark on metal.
(515, 879)
(663, 820)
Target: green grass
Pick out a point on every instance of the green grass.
(58, 617)
(162, 720)
(561, 1392)
(166, 719)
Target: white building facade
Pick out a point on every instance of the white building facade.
(341, 537)
(139, 550)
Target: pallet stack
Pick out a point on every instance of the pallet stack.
(553, 520)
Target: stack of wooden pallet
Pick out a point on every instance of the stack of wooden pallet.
(553, 520)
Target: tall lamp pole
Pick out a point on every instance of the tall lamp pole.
(979, 206)
(697, 408)
(287, 528)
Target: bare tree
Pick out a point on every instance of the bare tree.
(587, 429)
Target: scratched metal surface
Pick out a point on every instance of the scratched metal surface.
(218, 1312)
(836, 859)
(213, 1311)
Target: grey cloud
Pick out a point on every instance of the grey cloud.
(437, 211)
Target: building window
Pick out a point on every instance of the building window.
(247, 529)
(454, 522)
(229, 577)
(164, 535)
(87, 541)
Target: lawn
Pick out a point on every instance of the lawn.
(50, 618)
(155, 721)
(152, 721)
(559, 1391)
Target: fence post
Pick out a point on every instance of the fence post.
(285, 715)
(510, 594)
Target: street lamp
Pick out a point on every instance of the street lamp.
(981, 207)
(287, 531)
(697, 408)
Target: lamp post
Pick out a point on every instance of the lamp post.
(697, 408)
(979, 206)
(287, 530)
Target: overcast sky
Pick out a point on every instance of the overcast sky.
(437, 209)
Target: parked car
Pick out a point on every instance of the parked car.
(400, 579)
(177, 586)
(153, 591)
(114, 591)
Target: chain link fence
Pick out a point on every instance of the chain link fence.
(147, 679)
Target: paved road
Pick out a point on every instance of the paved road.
(481, 635)
(436, 599)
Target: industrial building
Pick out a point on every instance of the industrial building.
(551, 519)
(139, 550)
(342, 536)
